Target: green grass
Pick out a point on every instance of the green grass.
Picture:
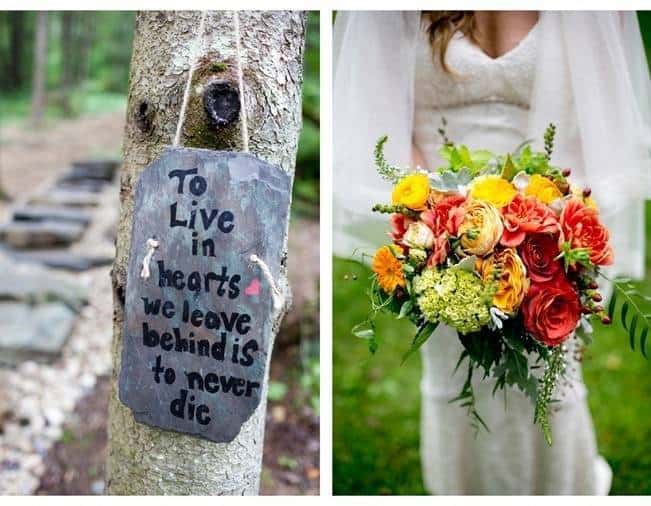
(376, 401)
(85, 100)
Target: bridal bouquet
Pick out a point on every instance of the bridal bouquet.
(506, 251)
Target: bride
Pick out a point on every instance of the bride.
(494, 80)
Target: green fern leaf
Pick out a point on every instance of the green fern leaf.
(623, 314)
(643, 337)
(612, 304)
(631, 332)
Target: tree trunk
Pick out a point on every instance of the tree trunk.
(67, 57)
(143, 459)
(16, 39)
(40, 59)
(84, 43)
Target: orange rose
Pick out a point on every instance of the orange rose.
(551, 310)
(526, 215)
(581, 227)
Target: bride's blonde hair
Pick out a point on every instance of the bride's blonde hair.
(441, 27)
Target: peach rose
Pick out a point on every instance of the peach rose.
(526, 215)
(581, 227)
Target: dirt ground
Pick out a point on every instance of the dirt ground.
(76, 464)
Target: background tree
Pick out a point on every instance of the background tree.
(15, 72)
(143, 459)
(68, 55)
(40, 54)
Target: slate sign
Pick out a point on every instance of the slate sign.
(197, 331)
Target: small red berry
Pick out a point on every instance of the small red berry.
(587, 192)
(597, 297)
(566, 172)
(606, 320)
(586, 310)
(593, 285)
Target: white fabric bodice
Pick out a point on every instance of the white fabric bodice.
(485, 101)
(486, 106)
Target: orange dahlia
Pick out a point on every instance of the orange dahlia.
(388, 269)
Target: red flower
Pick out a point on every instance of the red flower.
(445, 216)
(551, 310)
(539, 252)
(582, 229)
(526, 215)
(399, 224)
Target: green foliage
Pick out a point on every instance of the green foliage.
(449, 180)
(386, 171)
(277, 390)
(460, 157)
(306, 185)
(530, 162)
(422, 335)
(309, 380)
(632, 316)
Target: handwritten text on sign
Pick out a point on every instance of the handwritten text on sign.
(197, 331)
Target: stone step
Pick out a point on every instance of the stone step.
(33, 332)
(60, 259)
(66, 197)
(35, 284)
(28, 234)
(94, 169)
(52, 213)
(87, 185)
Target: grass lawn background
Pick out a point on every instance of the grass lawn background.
(377, 402)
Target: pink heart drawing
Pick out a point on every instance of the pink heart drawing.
(253, 288)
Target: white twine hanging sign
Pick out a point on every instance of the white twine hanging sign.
(201, 297)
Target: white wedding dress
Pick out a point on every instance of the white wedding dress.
(486, 103)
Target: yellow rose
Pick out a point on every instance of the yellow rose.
(494, 189)
(511, 278)
(543, 189)
(412, 191)
(481, 228)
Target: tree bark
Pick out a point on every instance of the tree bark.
(143, 459)
(40, 59)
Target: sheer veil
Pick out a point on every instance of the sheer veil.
(592, 81)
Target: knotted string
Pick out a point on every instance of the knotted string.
(152, 244)
(276, 294)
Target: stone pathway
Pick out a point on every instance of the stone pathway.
(54, 335)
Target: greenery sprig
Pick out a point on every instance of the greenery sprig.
(467, 397)
(555, 370)
(387, 171)
(550, 132)
(394, 209)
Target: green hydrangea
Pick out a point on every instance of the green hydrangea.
(455, 297)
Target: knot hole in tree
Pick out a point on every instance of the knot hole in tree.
(144, 116)
(221, 103)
